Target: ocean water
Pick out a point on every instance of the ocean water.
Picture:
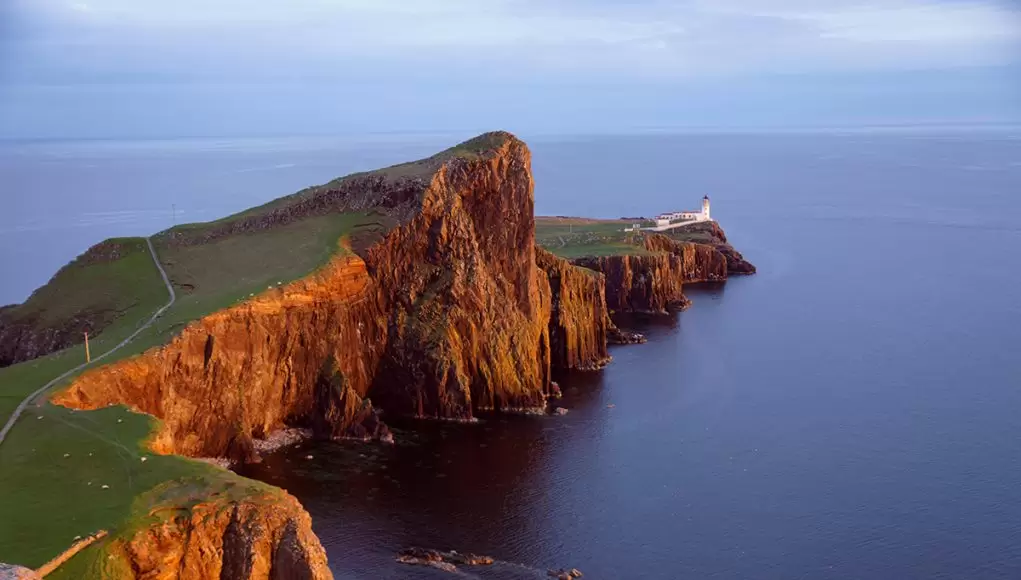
(852, 411)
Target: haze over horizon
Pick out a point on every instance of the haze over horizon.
(119, 68)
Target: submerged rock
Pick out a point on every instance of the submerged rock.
(618, 336)
(446, 561)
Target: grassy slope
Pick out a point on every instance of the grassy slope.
(114, 288)
(50, 498)
(130, 287)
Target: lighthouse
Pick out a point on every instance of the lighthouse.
(705, 208)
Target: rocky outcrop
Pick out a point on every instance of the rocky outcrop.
(339, 412)
(650, 283)
(579, 322)
(445, 561)
(259, 537)
(22, 340)
(619, 336)
(699, 262)
(445, 315)
(711, 234)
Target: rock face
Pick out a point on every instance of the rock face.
(647, 283)
(699, 262)
(579, 325)
(713, 235)
(653, 282)
(22, 340)
(259, 538)
(445, 315)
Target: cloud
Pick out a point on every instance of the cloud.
(650, 37)
(245, 65)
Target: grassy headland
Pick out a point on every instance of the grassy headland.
(55, 462)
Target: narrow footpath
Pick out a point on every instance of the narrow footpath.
(42, 390)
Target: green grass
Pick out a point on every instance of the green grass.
(577, 237)
(106, 289)
(50, 498)
(212, 276)
(572, 238)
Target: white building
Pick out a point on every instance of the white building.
(667, 219)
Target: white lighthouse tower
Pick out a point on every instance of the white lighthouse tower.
(705, 208)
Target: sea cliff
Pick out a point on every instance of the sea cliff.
(446, 310)
(444, 315)
(264, 536)
(579, 324)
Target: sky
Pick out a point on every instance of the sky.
(155, 68)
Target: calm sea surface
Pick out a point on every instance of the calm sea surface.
(853, 411)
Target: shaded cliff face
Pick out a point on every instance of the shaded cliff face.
(25, 339)
(651, 283)
(258, 538)
(467, 306)
(579, 324)
(444, 315)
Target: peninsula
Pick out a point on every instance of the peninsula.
(427, 289)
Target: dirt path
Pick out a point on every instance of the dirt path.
(42, 390)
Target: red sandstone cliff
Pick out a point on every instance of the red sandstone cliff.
(579, 326)
(699, 262)
(445, 315)
(260, 537)
(647, 283)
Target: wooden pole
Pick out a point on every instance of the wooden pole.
(88, 357)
